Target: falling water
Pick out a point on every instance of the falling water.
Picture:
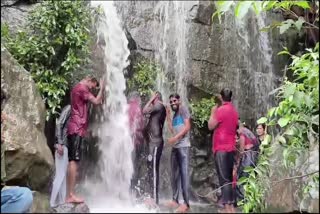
(112, 192)
(172, 49)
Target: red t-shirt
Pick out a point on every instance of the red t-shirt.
(78, 122)
(224, 136)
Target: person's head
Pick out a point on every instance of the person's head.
(134, 96)
(174, 100)
(91, 82)
(261, 129)
(226, 94)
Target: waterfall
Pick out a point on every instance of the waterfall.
(172, 49)
(112, 191)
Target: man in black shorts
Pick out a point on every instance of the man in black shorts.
(157, 115)
(77, 128)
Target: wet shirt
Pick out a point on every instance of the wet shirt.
(178, 124)
(224, 136)
(78, 121)
(157, 116)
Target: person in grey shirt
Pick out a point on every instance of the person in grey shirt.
(58, 193)
(180, 126)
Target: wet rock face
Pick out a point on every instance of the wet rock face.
(288, 195)
(29, 161)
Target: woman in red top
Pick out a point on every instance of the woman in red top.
(248, 154)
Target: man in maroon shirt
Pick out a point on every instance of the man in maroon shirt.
(77, 127)
(224, 121)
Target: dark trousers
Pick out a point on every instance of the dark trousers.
(249, 158)
(224, 165)
(153, 164)
(180, 173)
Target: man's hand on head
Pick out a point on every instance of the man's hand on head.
(102, 83)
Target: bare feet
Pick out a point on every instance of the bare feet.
(74, 199)
(182, 208)
(150, 203)
(172, 204)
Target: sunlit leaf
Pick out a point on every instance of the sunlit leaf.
(283, 122)
(262, 120)
(242, 8)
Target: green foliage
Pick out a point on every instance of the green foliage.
(53, 46)
(201, 111)
(256, 184)
(144, 78)
(241, 8)
(298, 111)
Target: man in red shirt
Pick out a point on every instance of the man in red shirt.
(224, 122)
(77, 127)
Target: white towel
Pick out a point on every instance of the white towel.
(59, 187)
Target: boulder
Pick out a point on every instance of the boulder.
(15, 12)
(29, 161)
(40, 203)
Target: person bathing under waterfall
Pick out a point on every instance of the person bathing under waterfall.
(59, 186)
(224, 121)
(157, 116)
(77, 128)
(136, 130)
(179, 126)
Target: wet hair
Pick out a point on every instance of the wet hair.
(94, 80)
(159, 95)
(261, 124)
(226, 94)
(175, 95)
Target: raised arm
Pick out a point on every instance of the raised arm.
(169, 119)
(147, 109)
(213, 122)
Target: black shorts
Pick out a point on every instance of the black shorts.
(74, 147)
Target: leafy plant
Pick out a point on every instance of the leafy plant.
(144, 77)
(241, 8)
(201, 111)
(54, 44)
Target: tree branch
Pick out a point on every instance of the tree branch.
(295, 15)
(295, 177)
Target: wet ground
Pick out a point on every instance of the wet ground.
(194, 208)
